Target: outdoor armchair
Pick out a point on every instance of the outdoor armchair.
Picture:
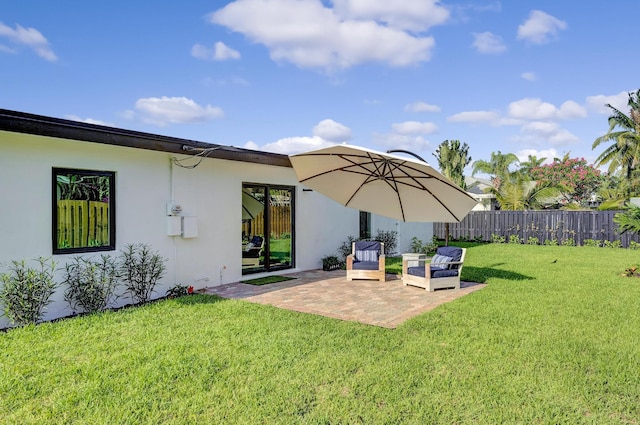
(251, 252)
(443, 271)
(366, 261)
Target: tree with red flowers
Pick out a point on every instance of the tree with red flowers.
(576, 179)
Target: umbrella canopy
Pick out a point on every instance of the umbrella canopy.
(251, 207)
(383, 184)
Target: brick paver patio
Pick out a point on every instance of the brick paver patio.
(328, 293)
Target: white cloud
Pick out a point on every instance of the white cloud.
(549, 154)
(293, 145)
(414, 128)
(618, 101)
(545, 128)
(29, 37)
(332, 131)
(540, 28)
(88, 120)
(488, 43)
(174, 110)
(531, 109)
(421, 107)
(251, 145)
(529, 76)
(326, 133)
(571, 110)
(219, 52)
(536, 109)
(310, 35)
(410, 15)
(476, 117)
(538, 132)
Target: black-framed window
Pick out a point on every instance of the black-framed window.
(83, 210)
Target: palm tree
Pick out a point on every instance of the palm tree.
(629, 221)
(497, 167)
(624, 152)
(565, 158)
(531, 163)
(521, 193)
(452, 158)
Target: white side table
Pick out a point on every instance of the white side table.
(414, 260)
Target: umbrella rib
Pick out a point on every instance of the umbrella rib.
(370, 176)
(423, 187)
(343, 168)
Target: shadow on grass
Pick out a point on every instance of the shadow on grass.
(482, 274)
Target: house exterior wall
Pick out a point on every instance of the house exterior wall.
(146, 180)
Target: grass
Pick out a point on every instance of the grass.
(553, 338)
(267, 279)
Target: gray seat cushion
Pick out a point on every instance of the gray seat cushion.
(435, 272)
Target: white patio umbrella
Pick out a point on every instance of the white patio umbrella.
(251, 207)
(381, 183)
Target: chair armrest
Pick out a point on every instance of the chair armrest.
(350, 261)
(381, 262)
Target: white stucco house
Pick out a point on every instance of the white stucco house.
(182, 197)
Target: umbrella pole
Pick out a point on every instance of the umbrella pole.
(446, 234)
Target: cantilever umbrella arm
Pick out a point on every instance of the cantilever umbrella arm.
(407, 152)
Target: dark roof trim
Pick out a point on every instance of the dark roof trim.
(21, 122)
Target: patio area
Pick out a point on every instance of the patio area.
(328, 293)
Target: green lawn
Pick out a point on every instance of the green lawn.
(553, 338)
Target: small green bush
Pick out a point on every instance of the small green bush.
(26, 291)
(514, 239)
(551, 242)
(331, 262)
(346, 247)
(569, 242)
(418, 247)
(613, 244)
(591, 242)
(533, 241)
(179, 291)
(91, 284)
(634, 245)
(389, 238)
(497, 238)
(140, 270)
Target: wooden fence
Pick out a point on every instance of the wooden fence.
(280, 222)
(558, 225)
(82, 224)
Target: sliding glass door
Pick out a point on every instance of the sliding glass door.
(267, 227)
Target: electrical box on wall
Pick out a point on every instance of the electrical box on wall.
(174, 208)
(189, 227)
(174, 226)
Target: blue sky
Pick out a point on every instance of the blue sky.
(527, 77)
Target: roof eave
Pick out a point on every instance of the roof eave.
(22, 122)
